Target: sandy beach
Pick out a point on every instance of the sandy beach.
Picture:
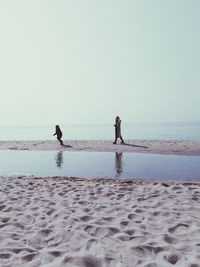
(68, 221)
(95, 223)
(177, 147)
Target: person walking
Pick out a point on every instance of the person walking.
(58, 132)
(117, 126)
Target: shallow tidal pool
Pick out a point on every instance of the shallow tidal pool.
(100, 164)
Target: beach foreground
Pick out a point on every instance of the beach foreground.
(57, 221)
(178, 147)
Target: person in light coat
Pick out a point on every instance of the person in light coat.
(117, 126)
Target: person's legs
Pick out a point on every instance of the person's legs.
(122, 140)
(59, 139)
(115, 140)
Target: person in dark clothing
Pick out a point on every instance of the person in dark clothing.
(59, 134)
(117, 126)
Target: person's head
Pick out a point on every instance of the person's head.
(117, 118)
(57, 127)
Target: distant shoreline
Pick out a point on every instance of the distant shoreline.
(174, 147)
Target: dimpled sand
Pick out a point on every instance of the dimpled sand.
(95, 223)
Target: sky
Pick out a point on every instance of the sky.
(86, 61)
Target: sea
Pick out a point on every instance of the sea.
(136, 131)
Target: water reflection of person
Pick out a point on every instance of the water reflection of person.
(59, 159)
(118, 163)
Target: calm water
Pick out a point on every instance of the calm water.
(168, 131)
(100, 164)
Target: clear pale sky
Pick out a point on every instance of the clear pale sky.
(86, 61)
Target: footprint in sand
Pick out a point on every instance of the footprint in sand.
(113, 230)
(173, 258)
(108, 219)
(5, 256)
(89, 228)
(124, 223)
(55, 253)
(29, 257)
(86, 218)
(87, 261)
(2, 207)
(5, 220)
(87, 210)
(145, 250)
(83, 202)
(170, 239)
(130, 232)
